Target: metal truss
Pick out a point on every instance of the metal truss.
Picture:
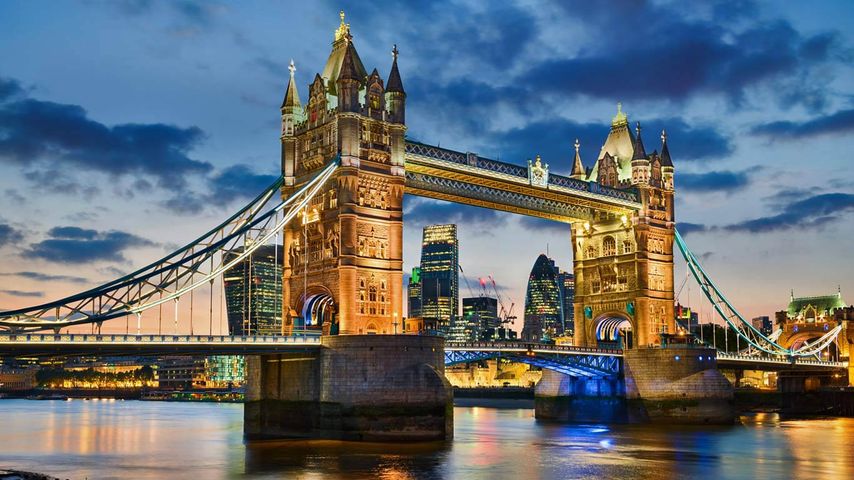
(573, 364)
(520, 172)
(756, 340)
(196, 265)
(489, 194)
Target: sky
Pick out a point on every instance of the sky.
(128, 128)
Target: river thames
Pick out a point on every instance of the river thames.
(102, 439)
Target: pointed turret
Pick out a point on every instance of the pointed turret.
(394, 93)
(667, 169)
(292, 112)
(341, 47)
(665, 152)
(349, 80)
(639, 151)
(291, 94)
(578, 171)
(394, 83)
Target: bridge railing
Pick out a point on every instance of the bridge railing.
(89, 338)
(778, 359)
(534, 347)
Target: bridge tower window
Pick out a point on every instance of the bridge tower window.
(609, 247)
(627, 246)
(590, 251)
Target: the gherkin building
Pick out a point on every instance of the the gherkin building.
(543, 319)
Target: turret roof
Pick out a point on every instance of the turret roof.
(394, 83)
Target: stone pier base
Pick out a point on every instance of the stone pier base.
(679, 385)
(357, 387)
(564, 398)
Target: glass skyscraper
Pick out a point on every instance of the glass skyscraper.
(414, 293)
(566, 283)
(480, 317)
(253, 292)
(543, 305)
(439, 277)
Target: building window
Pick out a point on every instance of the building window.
(591, 251)
(627, 246)
(609, 247)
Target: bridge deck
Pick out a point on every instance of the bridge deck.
(121, 344)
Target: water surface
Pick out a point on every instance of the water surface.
(156, 440)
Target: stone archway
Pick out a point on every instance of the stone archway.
(613, 331)
(317, 311)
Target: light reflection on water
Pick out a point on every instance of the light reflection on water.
(147, 440)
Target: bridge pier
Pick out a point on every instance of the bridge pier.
(564, 398)
(357, 387)
(679, 385)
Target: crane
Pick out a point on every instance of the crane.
(505, 314)
(466, 279)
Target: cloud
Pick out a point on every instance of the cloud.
(542, 224)
(421, 211)
(44, 277)
(237, 182)
(9, 235)
(812, 212)
(74, 245)
(33, 132)
(716, 181)
(553, 139)
(9, 88)
(840, 122)
(21, 293)
(681, 55)
(686, 228)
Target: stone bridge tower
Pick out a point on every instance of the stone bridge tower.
(624, 264)
(343, 260)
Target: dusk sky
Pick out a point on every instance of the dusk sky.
(128, 128)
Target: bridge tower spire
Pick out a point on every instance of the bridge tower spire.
(578, 171)
(623, 263)
(343, 266)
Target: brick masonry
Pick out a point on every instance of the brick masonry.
(358, 387)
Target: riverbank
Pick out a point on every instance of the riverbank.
(838, 402)
(19, 475)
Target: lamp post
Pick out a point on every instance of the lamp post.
(394, 323)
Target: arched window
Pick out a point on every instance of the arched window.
(609, 247)
(372, 300)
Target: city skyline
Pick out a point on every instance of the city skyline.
(739, 175)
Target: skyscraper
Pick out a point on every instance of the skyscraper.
(414, 293)
(439, 277)
(543, 308)
(253, 292)
(480, 316)
(566, 283)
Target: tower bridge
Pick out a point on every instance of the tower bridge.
(337, 208)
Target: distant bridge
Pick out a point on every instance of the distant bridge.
(568, 359)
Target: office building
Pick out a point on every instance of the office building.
(253, 292)
(543, 308)
(439, 277)
(414, 293)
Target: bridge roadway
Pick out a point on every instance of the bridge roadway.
(566, 358)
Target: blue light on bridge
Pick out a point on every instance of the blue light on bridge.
(676, 358)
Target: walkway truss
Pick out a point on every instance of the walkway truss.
(757, 341)
(569, 360)
(192, 267)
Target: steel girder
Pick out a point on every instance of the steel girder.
(575, 365)
(194, 266)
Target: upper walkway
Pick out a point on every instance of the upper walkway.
(468, 178)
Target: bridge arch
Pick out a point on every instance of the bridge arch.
(318, 309)
(811, 336)
(613, 330)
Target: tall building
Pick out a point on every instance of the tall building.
(439, 277)
(566, 284)
(543, 308)
(763, 324)
(224, 371)
(480, 316)
(253, 292)
(414, 293)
